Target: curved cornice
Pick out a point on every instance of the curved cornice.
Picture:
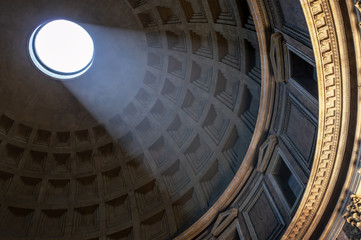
(328, 38)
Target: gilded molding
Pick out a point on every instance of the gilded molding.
(331, 133)
(352, 183)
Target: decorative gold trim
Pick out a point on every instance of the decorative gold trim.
(328, 39)
(352, 182)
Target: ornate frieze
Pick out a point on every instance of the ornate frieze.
(321, 24)
(353, 214)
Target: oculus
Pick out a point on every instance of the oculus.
(61, 49)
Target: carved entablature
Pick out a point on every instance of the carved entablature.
(353, 214)
(331, 133)
(276, 54)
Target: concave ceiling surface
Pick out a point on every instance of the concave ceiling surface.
(144, 142)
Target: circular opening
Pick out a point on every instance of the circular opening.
(61, 49)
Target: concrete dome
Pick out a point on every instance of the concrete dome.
(197, 120)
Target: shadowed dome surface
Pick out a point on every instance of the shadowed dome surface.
(143, 143)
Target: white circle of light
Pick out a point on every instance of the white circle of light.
(61, 49)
